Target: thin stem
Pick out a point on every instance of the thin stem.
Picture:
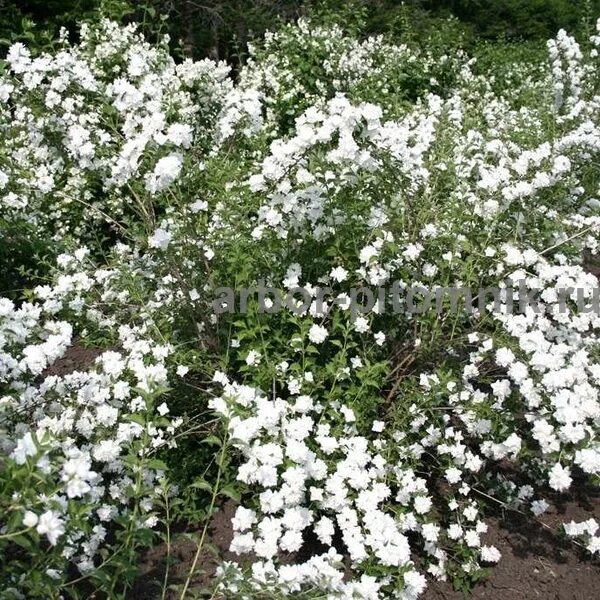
(213, 500)
(166, 577)
(7, 536)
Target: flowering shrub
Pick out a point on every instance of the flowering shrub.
(369, 440)
(98, 129)
(79, 479)
(304, 64)
(446, 195)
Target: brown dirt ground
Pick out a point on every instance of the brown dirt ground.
(76, 358)
(183, 550)
(536, 563)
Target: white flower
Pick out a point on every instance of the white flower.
(415, 584)
(593, 545)
(539, 507)
(378, 426)
(25, 448)
(253, 358)
(412, 251)
(106, 451)
(430, 532)
(504, 357)
(339, 274)
(18, 57)
(367, 253)
(160, 239)
(30, 519)
(472, 538)
(574, 529)
(242, 543)
(490, 554)
(199, 206)
(455, 531)
(324, 530)
(51, 526)
(165, 172)
(361, 325)
(422, 504)
(151, 521)
(244, 519)
(180, 134)
(348, 413)
(588, 459)
(453, 475)
(356, 362)
(470, 512)
(317, 334)
(76, 474)
(560, 478)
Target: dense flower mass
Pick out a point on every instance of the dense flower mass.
(78, 447)
(362, 445)
(86, 129)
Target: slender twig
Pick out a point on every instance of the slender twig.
(215, 493)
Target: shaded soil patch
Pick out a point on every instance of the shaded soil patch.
(215, 550)
(76, 358)
(181, 557)
(536, 563)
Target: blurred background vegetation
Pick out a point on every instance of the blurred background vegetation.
(221, 29)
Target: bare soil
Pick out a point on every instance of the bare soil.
(536, 563)
(76, 358)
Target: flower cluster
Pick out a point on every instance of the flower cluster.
(98, 128)
(508, 204)
(363, 445)
(80, 447)
(317, 473)
(305, 64)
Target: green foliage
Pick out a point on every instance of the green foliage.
(24, 256)
(511, 19)
(39, 21)
(517, 19)
(222, 29)
(509, 64)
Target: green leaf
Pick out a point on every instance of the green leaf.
(157, 464)
(202, 484)
(24, 542)
(135, 418)
(212, 440)
(231, 492)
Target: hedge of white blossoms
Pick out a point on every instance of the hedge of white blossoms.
(93, 130)
(366, 446)
(79, 450)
